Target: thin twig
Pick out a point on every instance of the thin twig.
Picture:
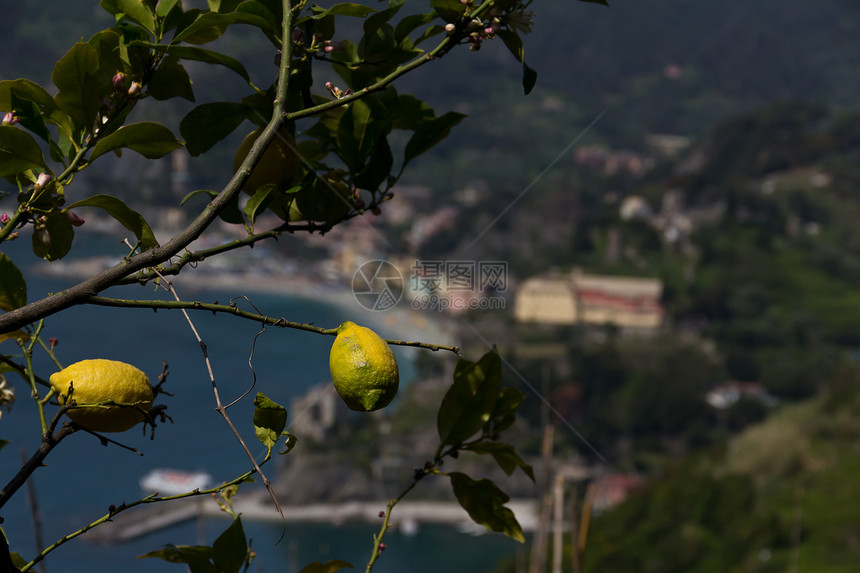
(125, 506)
(221, 409)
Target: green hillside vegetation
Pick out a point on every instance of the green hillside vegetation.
(781, 490)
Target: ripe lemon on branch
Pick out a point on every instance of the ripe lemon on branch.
(116, 394)
(363, 368)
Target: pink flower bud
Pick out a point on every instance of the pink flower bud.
(4, 218)
(381, 548)
(329, 86)
(118, 81)
(134, 89)
(381, 513)
(74, 219)
(52, 342)
(329, 49)
(44, 179)
(489, 30)
(297, 34)
(9, 118)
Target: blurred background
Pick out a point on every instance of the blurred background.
(661, 240)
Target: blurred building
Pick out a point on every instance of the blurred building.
(580, 298)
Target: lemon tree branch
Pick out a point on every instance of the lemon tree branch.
(62, 300)
(234, 310)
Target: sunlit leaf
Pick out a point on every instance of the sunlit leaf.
(18, 151)
(137, 11)
(485, 503)
(197, 557)
(258, 201)
(13, 287)
(270, 418)
(129, 218)
(152, 140)
(165, 7)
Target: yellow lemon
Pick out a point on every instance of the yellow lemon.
(96, 381)
(279, 164)
(363, 368)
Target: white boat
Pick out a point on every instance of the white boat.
(173, 482)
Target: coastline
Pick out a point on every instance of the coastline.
(407, 517)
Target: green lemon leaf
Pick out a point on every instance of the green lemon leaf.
(14, 335)
(259, 201)
(150, 139)
(170, 80)
(137, 11)
(327, 567)
(74, 75)
(3, 444)
(346, 9)
(270, 418)
(129, 218)
(54, 240)
(28, 90)
(504, 414)
(199, 55)
(230, 550)
(505, 456)
(229, 214)
(449, 10)
(13, 287)
(18, 151)
(165, 7)
(485, 503)
(207, 124)
(470, 401)
(378, 168)
(197, 557)
(429, 133)
(209, 23)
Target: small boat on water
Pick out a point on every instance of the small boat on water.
(173, 482)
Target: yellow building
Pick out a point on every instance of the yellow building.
(579, 298)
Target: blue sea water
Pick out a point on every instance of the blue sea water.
(82, 477)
